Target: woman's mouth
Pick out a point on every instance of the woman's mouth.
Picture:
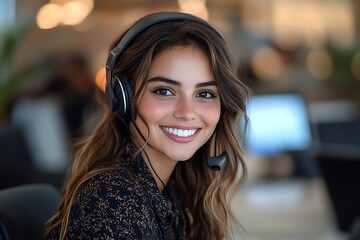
(180, 132)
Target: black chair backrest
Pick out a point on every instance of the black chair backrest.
(25, 209)
(3, 232)
(16, 164)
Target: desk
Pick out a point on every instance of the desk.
(291, 209)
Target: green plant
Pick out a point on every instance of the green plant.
(342, 79)
(11, 79)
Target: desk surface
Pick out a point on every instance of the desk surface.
(292, 209)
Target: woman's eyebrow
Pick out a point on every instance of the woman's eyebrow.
(176, 83)
(206, 84)
(165, 80)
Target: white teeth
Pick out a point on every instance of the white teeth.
(180, 132)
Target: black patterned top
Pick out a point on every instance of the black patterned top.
(126, 204)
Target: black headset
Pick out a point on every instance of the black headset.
(118, 92)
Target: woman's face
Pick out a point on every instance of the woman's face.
(180, 104)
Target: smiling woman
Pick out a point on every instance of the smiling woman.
(174, 102)
(180, 97)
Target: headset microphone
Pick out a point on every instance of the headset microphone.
(216, 163)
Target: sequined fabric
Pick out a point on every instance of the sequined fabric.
(126, 204)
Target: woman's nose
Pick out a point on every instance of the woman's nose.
(185, 109)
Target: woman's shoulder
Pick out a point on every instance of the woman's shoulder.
(113, 184)
(111, 204)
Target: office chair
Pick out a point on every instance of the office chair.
(24, 210)
(355, 230)
(17, 166)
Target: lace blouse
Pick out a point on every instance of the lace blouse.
(126, 204)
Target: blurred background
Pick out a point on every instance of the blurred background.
(301, 58)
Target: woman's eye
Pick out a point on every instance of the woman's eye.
(206, 95)
(163, 92)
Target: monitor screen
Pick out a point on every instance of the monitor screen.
(278, 123)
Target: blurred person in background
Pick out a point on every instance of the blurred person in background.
(144, 173)
(52, 114)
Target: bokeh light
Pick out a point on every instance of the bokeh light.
(100, 79)
(75, 13)
(67, 12)
(319, 64)
(267, 64)
(49, 16)
(195, 7)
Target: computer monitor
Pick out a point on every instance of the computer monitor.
(279, 123)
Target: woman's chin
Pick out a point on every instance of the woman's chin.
(181, 157)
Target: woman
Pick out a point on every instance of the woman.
(143, 173)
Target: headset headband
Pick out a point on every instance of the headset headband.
(140, 26)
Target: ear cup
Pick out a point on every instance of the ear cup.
(110, 98)
(123, 97)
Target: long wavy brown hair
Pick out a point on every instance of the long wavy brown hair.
(205, 194)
